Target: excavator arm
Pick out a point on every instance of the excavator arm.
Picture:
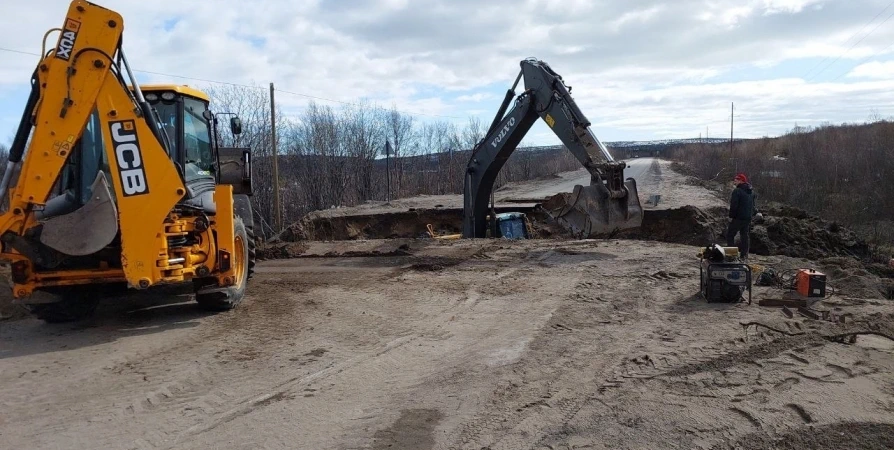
(609, 203)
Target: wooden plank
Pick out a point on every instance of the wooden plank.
(777, 302)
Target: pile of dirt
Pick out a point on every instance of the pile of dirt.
(399, 224)
(281, 250)
(317, 249)
(405, 224)
(841, 435)
(9, 311)
(435, 263)
(793, 232)
(850, 277)
(687, 225)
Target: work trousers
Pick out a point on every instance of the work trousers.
(743, 228)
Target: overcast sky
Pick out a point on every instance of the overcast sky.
(640, 69)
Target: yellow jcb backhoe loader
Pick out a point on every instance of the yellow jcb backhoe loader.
(113, 185)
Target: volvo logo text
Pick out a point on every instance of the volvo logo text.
(503, 133)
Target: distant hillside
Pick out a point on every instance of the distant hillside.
(665, 142)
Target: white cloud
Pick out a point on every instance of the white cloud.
(474, 97)
(788, 6)
(646, 68)
(875, 70)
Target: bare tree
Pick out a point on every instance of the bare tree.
(322, 167)
(399, 129)
(4, 157)
(364, 137)
(252, 105)
(472, 133)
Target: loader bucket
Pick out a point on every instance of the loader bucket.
(590, 211)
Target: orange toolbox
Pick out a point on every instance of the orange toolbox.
(811, 283)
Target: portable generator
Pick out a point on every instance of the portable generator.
(810, 283)
(724, 279)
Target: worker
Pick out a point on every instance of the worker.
(741, 211)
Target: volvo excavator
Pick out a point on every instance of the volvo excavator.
(111, 185)
(608, 204)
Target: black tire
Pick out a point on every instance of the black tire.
(252, 251)
(242, 207)
(74, 304)
(223, 299)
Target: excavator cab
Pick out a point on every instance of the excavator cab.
(110, 183)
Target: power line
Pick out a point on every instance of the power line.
(851, 47)
(227, 83)
(852, 36)
(19, 51)
(863, 61)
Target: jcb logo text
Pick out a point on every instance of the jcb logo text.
(129, 158)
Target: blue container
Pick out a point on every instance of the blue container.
(512, 225)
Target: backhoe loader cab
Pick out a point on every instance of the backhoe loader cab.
(118, 184)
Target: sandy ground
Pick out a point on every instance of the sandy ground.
(467, 344)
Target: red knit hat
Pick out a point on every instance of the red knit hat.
(741, 178)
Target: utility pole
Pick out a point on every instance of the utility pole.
(388, 170)
(277, 219)
(732, 109)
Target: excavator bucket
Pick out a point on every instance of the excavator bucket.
(590, 212)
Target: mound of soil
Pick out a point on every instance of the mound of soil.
(402, 224)
(8, 310)
(793, 232)
(851, 278)
(281, 250)
(687, 225)
(841, 435)
(435, 263)
(398, 224)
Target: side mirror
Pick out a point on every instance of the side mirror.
(207, 115)
(236, 125)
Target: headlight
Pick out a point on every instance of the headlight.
(168, 96)
(151, 97)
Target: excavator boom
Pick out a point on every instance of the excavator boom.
(608, 204)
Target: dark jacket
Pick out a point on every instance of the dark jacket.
(741, 204)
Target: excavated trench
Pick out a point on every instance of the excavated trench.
(410, 224)
(785, 231)
(687, 225)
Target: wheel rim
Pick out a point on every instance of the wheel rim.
(239, 263)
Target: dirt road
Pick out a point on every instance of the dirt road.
(637, 168)
(468, 344)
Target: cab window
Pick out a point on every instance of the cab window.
(196, 140)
